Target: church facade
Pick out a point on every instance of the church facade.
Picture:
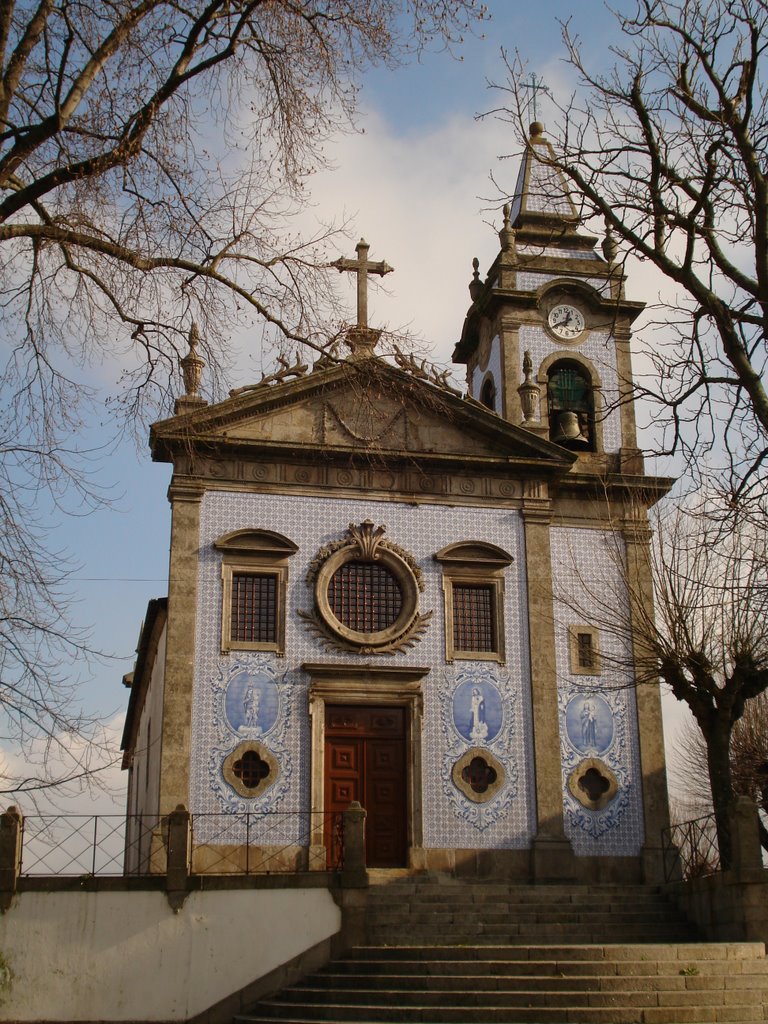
(386, 591)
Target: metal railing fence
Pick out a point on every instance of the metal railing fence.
(691, 849)
(116, 845)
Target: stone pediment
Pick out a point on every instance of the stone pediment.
(371, 408)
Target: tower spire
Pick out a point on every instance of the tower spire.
(542, 195)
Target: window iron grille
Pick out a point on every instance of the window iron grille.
(473, 617)
(254, 608)
(365, 597)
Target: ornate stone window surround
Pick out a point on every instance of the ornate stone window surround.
(366, 544)
(601, 770)
(234, 760)
(254, 553)
(465, 761)
(377, 684)
(402, 573)
(576, 652)
(474, 563)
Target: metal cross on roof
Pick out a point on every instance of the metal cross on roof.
(362, 267)
(536, 85)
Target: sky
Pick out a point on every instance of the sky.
(415, 181)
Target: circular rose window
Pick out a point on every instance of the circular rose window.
(366, 593)
(366, 601)
(365, 597)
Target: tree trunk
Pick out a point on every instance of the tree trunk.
(718, 741)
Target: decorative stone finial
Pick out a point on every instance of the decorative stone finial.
(362, 342)
(610, 249)
(475, 285)
(529, 392)
(192, 371)
(507, 233)
(192, 364)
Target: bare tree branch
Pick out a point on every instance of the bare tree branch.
(153, 159)
(668, 147)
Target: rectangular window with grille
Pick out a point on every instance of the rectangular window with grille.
(474, 627)
(254, 611)
(585, 650)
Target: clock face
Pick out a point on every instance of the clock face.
(565, 321)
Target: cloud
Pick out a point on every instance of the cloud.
(101, 790)
(414, 197)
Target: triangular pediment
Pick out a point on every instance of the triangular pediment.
(354, 408)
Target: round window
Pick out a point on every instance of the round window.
(367, 602)
(366, 594)
(365, 597)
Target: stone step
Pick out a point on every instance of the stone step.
(513, 968)
(613, 899)
(690, 983)
(517, 893)
(341, 1014)
(505, 981)
(446, 915)
(631, 995)
(687, 952)
(520, 935)
(490, 953)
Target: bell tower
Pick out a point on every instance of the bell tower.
(546, 339)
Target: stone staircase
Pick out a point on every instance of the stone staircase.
(440, 951)
(457, 912)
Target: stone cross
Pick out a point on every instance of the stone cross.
(362, 268)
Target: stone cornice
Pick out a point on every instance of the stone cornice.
(365, 672)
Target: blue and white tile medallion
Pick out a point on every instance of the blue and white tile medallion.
(252, 701)
(476, 715)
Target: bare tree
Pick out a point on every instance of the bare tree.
(152, 157)
(708, 637)
(748, 757)
(668, 147)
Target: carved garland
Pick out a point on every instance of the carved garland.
(366, 544)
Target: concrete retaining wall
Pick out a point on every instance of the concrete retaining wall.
(126, 956)
(727, 907)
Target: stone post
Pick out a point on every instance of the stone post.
(746, 851)
(179, 857)
(10, 855)
(354, 874)
(185, 497)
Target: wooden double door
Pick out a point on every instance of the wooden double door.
(365, 761)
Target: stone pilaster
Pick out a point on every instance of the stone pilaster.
(649, 724)
(180, 645)
(551, 855)
(508, 329)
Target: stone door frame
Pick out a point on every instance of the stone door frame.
(376, 685)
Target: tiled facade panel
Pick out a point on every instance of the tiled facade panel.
(494, 369)
(590, 589)
(600, 349)
(223, 683)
